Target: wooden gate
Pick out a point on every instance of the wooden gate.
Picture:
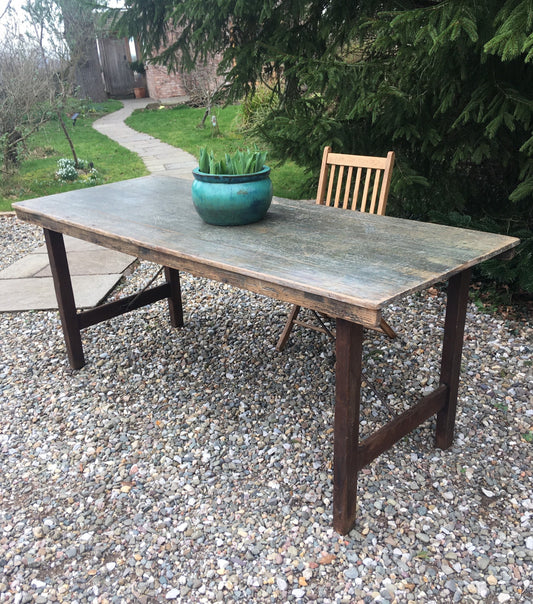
(115, 58)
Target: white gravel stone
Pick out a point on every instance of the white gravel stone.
(150, 474)
(172, 594)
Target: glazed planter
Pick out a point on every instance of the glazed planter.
(231, 200)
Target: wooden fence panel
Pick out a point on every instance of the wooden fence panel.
(114, 58)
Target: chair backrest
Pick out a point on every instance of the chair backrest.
(355, 182)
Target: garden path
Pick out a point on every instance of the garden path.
(159, 157)
(27, 283)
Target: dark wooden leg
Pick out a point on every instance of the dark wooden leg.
(452, 349)
(282, 342)
(65, 297)
(346, 440)
(387, 329)
(174, 300)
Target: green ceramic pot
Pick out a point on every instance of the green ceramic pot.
(228, 200)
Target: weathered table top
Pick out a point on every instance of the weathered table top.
(347, 264)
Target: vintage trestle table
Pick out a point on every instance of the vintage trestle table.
(346, 264)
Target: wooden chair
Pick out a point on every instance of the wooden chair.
(354, 182)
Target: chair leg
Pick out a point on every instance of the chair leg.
(293, 315)
(282, 342)
(385, 327)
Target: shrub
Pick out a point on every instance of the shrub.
(66, 170)
(257, 106)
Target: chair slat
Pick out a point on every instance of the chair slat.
(322, 181)
(338, 190)
(387, 173)
(355, 195)
(375, 188)
(330, 184)
(368, 174)
(347, 186)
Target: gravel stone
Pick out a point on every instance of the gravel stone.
(195, 465)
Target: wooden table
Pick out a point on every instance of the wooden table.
(346, 264)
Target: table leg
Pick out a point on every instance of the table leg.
(452, 349)
(175, 306)
(349, 348)
(65, 297)
(349, 455)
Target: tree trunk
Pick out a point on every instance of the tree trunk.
(12, 140)
(71, 144)
(80, 34)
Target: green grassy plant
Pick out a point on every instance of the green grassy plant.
(241, 162)
(179, 126)
(37, 172)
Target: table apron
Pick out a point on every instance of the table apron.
(333, 308)
(367, 317)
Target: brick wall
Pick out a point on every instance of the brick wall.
(198, 83)
(162, 85)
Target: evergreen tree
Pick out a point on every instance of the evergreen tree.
(446, 84)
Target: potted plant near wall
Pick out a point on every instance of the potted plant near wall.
(139, 79)
(235, 190)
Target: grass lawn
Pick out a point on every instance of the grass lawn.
(178, 126)
(36, 176)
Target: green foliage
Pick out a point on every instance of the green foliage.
(258, 40)
(177, 126)
(84, 171)
(137, 66)
(241, 162)
(513, 37)
(446, 84)
(36, 174)
(257, 107)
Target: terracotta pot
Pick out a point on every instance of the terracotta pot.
(140, 92)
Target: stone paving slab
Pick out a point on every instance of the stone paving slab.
(38, 293)
(27, 284)
(25, 268)
(97, 262)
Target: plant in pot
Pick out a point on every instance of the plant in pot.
(232, 191)
(139, 79)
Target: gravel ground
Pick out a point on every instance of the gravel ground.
(195, 465)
